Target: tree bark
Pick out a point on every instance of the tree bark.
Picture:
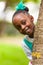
(38, 37)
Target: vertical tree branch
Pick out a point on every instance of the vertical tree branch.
(38, 37)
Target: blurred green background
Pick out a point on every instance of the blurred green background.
(11, 52)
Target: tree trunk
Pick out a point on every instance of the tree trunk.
(38, 37)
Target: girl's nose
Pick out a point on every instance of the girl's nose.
(23, 27)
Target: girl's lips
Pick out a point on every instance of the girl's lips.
(28, 30)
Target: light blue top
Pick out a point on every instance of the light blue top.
(29, 44)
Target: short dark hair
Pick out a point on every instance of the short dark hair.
(19, 11)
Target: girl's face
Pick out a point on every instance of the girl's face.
(24, 23)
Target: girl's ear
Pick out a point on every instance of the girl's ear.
(32, 19)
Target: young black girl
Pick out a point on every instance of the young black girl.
(23, 22)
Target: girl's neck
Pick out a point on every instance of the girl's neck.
(31, 36)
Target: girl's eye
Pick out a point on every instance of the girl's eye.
(23, 22)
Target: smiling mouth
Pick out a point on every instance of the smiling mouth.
(27, 29)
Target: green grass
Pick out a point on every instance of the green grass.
(12, 55)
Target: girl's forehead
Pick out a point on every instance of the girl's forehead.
(19, 17)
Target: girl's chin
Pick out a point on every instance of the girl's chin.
(29, 33)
